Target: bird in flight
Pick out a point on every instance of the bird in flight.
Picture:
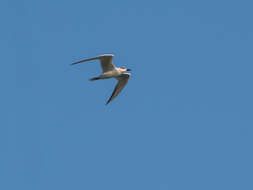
(110, 71)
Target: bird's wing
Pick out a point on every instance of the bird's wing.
(105, 61)
(122, 81)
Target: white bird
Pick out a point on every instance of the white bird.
(110, 71)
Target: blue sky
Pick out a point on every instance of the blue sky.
(184, 121)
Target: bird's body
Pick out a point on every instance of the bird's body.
(110, 71)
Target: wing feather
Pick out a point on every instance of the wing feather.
(122, 81)
(105, 61)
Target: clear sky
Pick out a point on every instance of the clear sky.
(184, 121)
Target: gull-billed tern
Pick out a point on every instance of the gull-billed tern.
(110, 71)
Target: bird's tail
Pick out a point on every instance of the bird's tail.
(95, 78)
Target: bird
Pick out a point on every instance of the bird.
(110, 71)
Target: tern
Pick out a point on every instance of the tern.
(110, 71)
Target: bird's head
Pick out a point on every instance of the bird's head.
(125, 69)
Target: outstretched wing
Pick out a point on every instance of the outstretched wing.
(105, 61)
(122, 81)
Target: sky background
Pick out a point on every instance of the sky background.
(184, 121)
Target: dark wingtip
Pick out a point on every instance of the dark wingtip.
(108, 101)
